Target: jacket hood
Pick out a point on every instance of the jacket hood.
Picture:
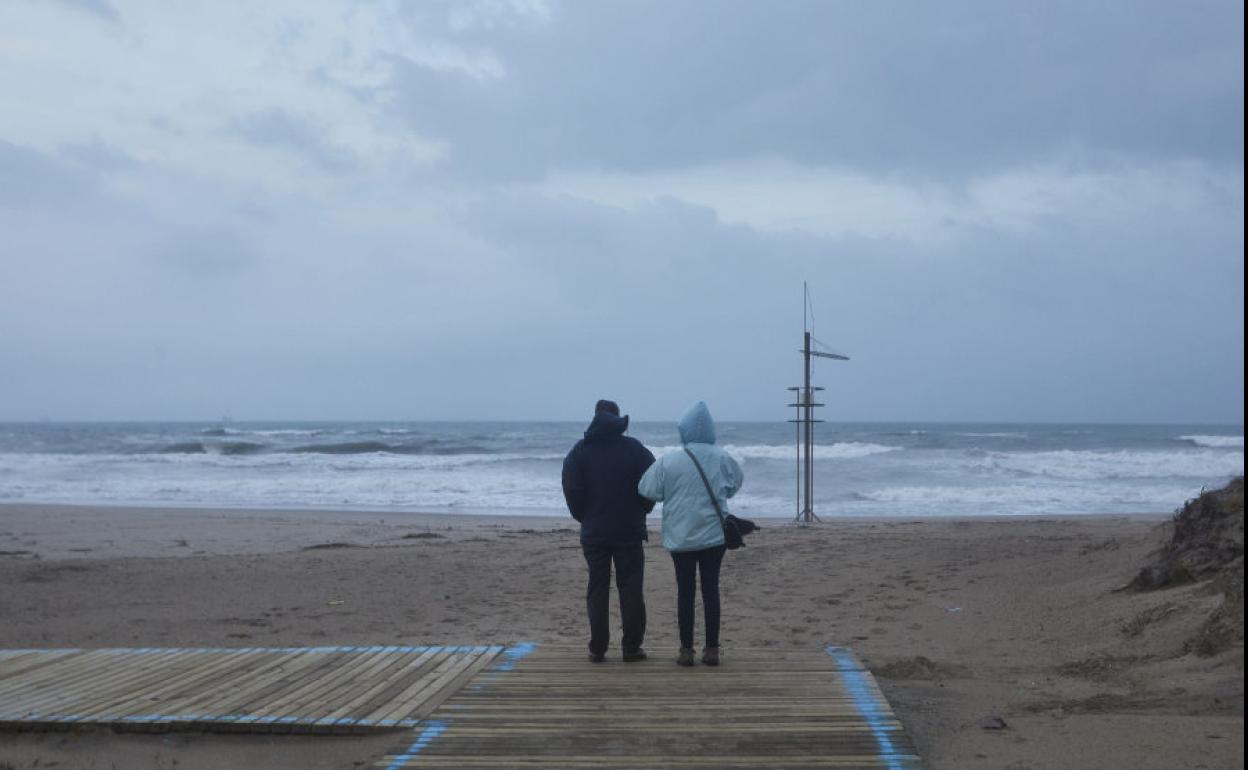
(696, 425)
(606, 424)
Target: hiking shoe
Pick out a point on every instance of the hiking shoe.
(685, 658)
(632, 656)
(597, 657)
(710, 656)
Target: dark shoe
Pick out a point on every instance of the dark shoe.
(710, 656)
(597, 657)
(685, 658)
(632, 656)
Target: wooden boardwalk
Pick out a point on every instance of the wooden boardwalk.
(255, 689)
(548, 707)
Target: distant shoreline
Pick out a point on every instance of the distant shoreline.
(60, 531)
(504, 515)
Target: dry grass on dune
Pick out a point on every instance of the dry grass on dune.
(1206, 545)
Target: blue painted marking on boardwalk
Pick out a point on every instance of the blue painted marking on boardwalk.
(514, 654)
(432, 730)
(869, 706)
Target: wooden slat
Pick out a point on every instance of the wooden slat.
(385, 691)
(244, 713)
(248, 689)
(77, 683)
(407, 700)
(296, 709)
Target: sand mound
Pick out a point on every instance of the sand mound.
(920, 668)
(1206, 543)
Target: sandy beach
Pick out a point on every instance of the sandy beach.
(961, 620)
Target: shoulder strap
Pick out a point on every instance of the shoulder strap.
(702, 473)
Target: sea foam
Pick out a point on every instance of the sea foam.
(1121, 464)
(1219, 442)
(837, 451)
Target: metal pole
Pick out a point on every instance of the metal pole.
(797, 442)
(807, 510)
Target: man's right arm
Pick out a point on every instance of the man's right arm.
(573, 484)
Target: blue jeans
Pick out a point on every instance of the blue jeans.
(688, 565)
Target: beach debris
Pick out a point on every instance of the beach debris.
(953, 609)
(181, 543)
(423, 536)
(15, 553)
(324, 546)
(336, 602)
(993, 723)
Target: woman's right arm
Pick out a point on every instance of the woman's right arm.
(651, 484)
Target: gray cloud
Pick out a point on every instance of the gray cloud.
(101, 9)
(934, 89)
(277, 128)
(31, 179)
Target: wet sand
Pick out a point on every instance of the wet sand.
(961, 620)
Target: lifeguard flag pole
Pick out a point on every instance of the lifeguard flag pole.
(805, 422)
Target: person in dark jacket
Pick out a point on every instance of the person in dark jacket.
(600, 478)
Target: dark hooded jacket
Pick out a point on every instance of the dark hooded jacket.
(600, 478)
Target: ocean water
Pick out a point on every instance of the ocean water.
(861, 469)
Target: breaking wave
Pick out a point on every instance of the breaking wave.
(185, 447)
(345, 448)
(213, 447)
(1217, 442)
(850, 450)
(1122, 464)
(1029, 498)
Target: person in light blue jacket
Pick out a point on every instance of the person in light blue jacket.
(692, 531)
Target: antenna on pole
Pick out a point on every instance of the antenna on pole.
(805, 421)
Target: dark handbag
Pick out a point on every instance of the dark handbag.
(735, 528)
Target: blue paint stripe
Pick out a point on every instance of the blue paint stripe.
(872, 710)
(513, 655)
(432, 730)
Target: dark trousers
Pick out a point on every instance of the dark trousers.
(688, 565)
(630, 570)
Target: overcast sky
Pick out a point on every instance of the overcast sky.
(477, 210)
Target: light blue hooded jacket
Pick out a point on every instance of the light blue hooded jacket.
(689, 520)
